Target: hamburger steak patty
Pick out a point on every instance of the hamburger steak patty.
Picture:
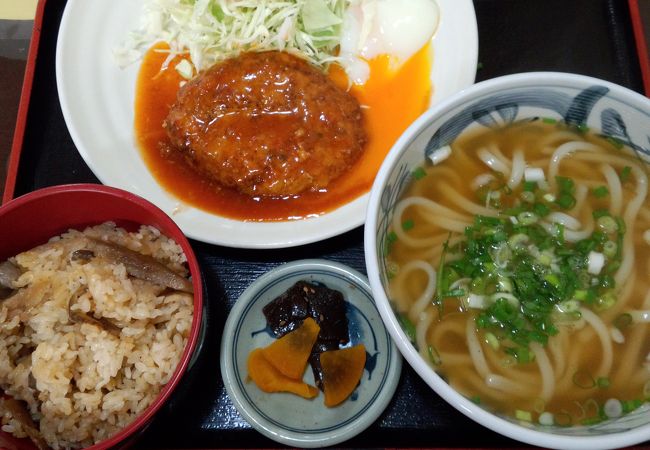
(267, 124)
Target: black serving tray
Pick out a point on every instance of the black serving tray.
(590, 37)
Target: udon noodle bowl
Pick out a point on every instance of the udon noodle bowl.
(521, 263)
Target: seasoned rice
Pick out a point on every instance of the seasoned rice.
(81, 381)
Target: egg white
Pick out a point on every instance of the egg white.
(398, 28)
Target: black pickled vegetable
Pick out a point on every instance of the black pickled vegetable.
(326, 306)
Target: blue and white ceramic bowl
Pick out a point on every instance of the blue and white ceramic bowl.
(287, 418)
(602, 106)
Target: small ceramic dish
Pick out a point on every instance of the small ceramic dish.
(288, 418)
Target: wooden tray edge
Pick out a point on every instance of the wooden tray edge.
(23, 106)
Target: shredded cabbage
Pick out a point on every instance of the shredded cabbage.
(213, 30)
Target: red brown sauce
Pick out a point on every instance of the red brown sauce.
(156, 92)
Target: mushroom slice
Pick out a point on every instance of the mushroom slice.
(141, 266)
(80, 317)
(9, 273)
(82, 255)
(24, 300)
(103, 323)
(19, 412)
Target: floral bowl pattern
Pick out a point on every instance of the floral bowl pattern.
(611, 110)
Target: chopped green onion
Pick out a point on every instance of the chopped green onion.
(408, 224)
(524, 279)
(549, 197)
(553, 279)
(598, 213)
(623, 321)
(559, 232)
(580, 294)
(613, 266)
(583, 380)
(620, 225)
(527, 218)
(418, 173)
(549, 120)
(610, 248)
(602, 382)
(625, 174)
(523, 415)
(492, 341)
(591, 421)
(529, 186)
(546, 258)
(616, 142)
(607, 224)
(565, 200)
(568, 317)
(434, 356)
(607, 282)
(568, 306)
(565, 184)
(631, 405)
(517, 241)
(391, 238)
(392, 268)
(606, 301)
(527, 196)
(440, 280)
(601, 192)
(504, 284)
(407, 326)
(487, 221)
(454, 293)
(541, 209)
(521, 354)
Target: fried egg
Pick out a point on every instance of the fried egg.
(395, 28)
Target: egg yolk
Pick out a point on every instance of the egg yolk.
(391, 100)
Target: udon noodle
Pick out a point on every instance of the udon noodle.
(522, 261)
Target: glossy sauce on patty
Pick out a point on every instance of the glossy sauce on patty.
(267, 124)
(390, 101)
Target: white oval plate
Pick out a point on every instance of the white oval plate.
(97, 99)
(287, 418)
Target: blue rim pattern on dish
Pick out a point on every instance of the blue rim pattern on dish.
(240, 377)
(290, 419)
(498, 109)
